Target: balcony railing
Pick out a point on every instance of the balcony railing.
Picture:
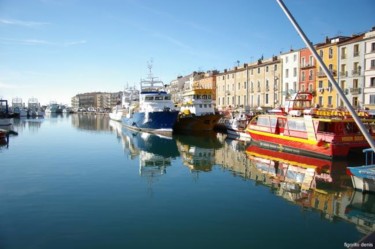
(322, 74)
(355, 91)
(356, 72)
(308, 65)
(344, 73)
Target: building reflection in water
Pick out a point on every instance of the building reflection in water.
(312, 184)
(198, 150)
(90, 122)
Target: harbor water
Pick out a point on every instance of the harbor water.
(83, 181)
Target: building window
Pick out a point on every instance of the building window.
(267, 69)
(286, 73)
(320, 101)
(320, 84)
(295, 72)
(310, 87)
(356, 50)
(372, 82)
(286, 59)
(239, 100)
(321, 53)
(258, 70)
(372, 99)
(343, 53)
(239, 85)
(311, 74)
(294, 57)
(267, 98)
(330, 101)
(372, 65)
(275, 67)
(303, 76)
(303, 62)
(311, 61)
(355, 83)
(372, 47)
(330, 55)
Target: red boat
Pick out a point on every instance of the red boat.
(301, 129)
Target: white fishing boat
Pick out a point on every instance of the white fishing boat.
(34, 108)
(129, 98)
(52, 108)
(156, 112)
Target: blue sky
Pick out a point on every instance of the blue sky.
(55, 49)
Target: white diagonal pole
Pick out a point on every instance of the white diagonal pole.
(363, 129)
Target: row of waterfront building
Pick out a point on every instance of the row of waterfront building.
(267, 83)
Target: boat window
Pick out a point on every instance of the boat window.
(281, 122)
(273, 122)
(298, 125)
(158, 97)
(167, 97)
(263, 121)
(351, 128)
(149, 98)
(325, 127)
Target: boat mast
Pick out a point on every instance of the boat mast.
(329, 75)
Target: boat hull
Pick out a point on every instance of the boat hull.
(363, 178)
(238, 134)
(155, 122)
(196, 123)
(302, 146)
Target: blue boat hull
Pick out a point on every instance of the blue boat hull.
(156, 122)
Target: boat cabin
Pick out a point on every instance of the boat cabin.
(198, 102)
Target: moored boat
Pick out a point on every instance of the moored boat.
(363, 177)
(122, 108)
(197, 111)
(236, 126)
(300, 128)
(155, 112)
(5, 119)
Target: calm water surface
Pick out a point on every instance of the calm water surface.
(82, 181)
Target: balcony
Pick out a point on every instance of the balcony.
(308, 65)
(322, 74)
(356, 72)
(344, 73)
(355, 91)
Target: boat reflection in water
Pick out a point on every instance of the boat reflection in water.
(313, 184)
(155, 152)
(198, 150)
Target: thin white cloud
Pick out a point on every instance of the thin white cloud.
(9, 86)
(34, 42)
(22, 23)
(73, 43)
